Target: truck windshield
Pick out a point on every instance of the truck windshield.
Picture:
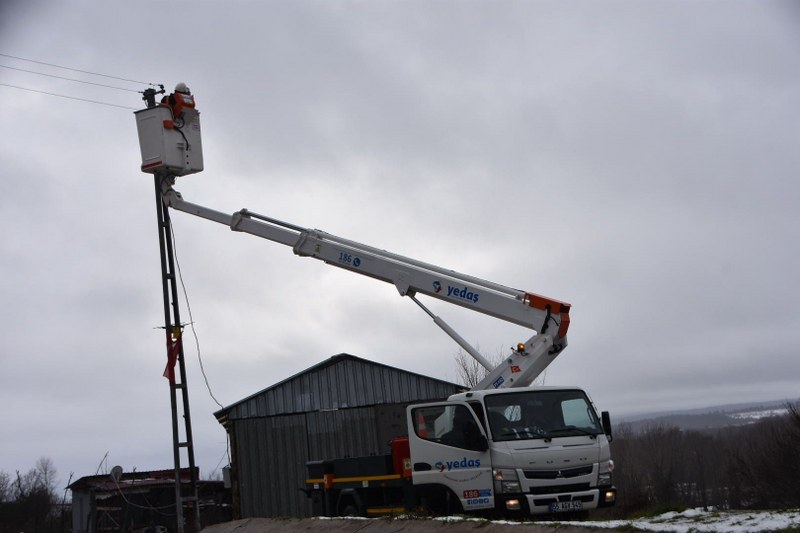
(536, 414)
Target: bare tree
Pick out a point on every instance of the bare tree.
(46, 472)
(471, 372)
(5, 487)
(765, 465)
(28, 502)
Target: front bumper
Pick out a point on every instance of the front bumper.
(534, 504)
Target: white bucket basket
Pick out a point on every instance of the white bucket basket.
(169, 146)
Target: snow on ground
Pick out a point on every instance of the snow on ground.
(694, 520)
(712, 521)
(729, 521)
(758, 415)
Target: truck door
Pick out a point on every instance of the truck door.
(449, 448)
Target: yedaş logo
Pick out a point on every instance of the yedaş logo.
(441, 466)
(462, 293)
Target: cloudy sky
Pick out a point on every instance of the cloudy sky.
(636, 159)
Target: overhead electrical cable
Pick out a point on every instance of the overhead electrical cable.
(225, 455)
(197, 343)
(70, 97)
(148, 506)
(76, 70)
(191, 320)
(69, 79)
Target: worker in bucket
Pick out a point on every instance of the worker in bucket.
(178, 100)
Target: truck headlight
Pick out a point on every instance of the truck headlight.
(505, 481)
(512, 504)
(604, 476)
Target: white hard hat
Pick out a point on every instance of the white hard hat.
(181, 88)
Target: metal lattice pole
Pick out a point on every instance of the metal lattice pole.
(178, 384)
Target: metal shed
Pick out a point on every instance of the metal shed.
(141, 501)
(342, 406)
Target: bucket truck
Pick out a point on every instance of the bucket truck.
(503, 446)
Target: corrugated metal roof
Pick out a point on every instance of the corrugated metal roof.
(343, 381)
(131, 480)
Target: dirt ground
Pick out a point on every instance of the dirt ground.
(352, 525)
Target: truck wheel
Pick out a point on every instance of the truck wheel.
(350, 510)
(441, 502)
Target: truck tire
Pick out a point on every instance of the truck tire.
(440, 501)
(350, 503)
(350, 510)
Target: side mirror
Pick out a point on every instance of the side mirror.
(606, 420)
(481, 444)
(476, 442)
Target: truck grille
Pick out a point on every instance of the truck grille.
(547, 501)
(561, 489)
(557, 474)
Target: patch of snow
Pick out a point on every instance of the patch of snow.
(689, 521)
(698, 520)
(758, 415)
(343, 518)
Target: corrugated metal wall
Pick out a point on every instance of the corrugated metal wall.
(344, 406)
(270, 463)
(340, 433)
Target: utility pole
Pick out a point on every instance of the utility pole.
(178, 385)
(170, 144)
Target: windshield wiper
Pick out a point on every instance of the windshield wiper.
(526, 434)
(576, 429)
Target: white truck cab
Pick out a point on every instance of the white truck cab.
(527, 450)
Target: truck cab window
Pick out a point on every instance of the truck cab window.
(451, 425)
(540, 415)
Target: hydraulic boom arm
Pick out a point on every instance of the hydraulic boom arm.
(550, 318)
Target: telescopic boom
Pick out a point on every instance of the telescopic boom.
(548, 317)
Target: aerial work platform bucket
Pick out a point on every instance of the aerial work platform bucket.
(170, 144)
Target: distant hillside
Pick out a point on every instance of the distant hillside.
(709, 418)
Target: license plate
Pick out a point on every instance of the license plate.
(561, 507)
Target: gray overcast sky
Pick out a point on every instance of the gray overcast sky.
(636, 159)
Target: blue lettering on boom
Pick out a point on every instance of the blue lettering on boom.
(462, 293)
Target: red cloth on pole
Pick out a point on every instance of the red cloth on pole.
(173, 351)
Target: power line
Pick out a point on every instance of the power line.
(70, 97)
(69, 79)
(197, 344)
(76, 69)
(191, 320)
